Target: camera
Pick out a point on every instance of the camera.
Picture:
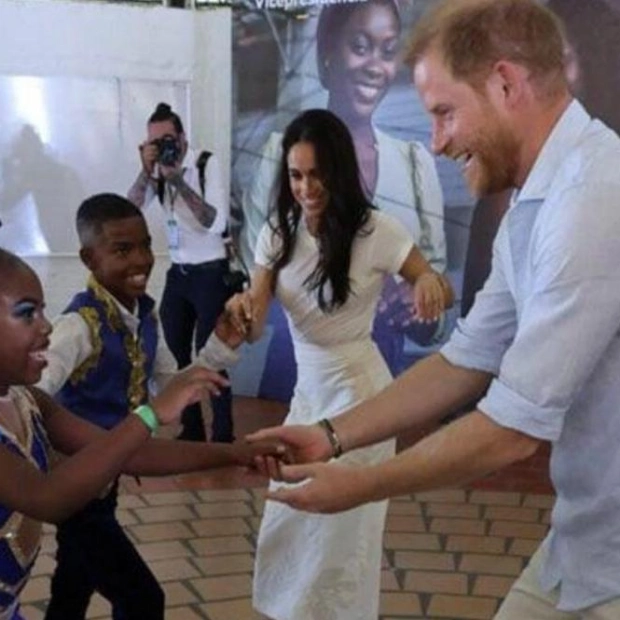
(168, 150)
(235, 280)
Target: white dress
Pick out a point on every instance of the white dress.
(327, 567)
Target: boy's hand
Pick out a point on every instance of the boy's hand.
(186, 387)
(227, 332)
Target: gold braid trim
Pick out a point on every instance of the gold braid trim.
(112, 314)
(136, 391)
(91, 318)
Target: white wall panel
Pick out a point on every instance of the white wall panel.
(77, 84)
(40, 37)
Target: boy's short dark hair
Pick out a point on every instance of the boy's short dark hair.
(95, 211)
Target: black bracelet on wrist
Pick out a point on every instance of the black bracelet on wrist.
(332, 437)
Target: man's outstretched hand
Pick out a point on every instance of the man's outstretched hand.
(329, 488)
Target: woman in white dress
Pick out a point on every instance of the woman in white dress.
(357, 51)
(324, 254)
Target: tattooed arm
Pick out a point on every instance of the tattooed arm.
(144, 182)
(137, 192)
(203, 211)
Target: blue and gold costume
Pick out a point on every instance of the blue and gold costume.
(20, 535)
(114, 378)
(94, 553)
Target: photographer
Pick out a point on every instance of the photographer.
(196, 286)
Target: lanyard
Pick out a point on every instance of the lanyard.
(172, 192)
(169, 190)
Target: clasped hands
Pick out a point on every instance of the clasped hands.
(285, 453)
(298, 452)
(328, 487)
(240, 313)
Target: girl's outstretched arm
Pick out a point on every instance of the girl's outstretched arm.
(97, 456)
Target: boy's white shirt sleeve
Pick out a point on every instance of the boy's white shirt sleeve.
(216, 354)
(165, 366)
(70, 346)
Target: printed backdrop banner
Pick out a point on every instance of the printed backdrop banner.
(290, 55)
(344, 56)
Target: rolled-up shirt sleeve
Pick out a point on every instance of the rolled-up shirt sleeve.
(568, 317)
(480, 340)
(565, 330)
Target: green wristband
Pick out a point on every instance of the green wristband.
(148, 416)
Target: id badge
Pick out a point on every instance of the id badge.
(172, 229)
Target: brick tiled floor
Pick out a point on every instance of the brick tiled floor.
(448, 555)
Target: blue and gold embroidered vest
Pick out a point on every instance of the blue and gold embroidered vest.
(114, 379)
(20, 536)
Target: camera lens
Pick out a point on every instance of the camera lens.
(168, 150)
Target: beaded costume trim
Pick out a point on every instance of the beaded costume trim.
(136, 391)
(20, 534)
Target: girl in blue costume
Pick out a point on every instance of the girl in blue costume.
(34, 485)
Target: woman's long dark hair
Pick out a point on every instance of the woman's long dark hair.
(347, 211)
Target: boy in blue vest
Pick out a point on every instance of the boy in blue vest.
(105, 356)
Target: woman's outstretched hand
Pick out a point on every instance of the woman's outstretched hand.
(404, 304)
(227, 332)
(429, 296)
(239, 310)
